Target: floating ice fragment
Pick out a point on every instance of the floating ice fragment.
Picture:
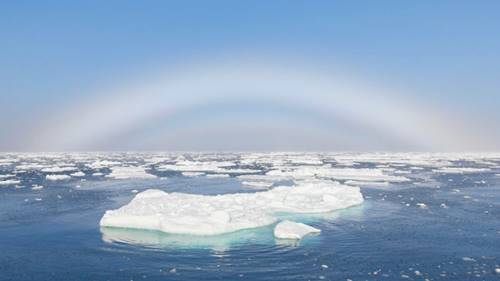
(422, 205)
(326, 171)
(130, 172)
(293, 230)
(37, 187)
(102, 163)
(78, 174)
(57, 177)
(9, 182)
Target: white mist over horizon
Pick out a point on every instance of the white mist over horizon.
(249, 104)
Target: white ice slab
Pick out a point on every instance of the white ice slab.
(57, 177)
(130, 172)
(78, 174)
(9, 182)
(361, 174)
(210, 215)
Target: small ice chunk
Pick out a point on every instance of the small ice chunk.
(422, 205)
(131, 172)
(9, 182)
(36, 187)
(293, 230)
(257, 184)
(57, 177)
(78, 174)
(102, 164)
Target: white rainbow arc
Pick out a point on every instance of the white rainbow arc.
(330, 94)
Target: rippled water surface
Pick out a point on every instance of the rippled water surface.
(436, 226)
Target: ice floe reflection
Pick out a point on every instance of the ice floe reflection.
(217, 243)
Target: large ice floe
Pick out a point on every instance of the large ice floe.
(182, 213)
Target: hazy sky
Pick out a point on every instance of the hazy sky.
(249, 75)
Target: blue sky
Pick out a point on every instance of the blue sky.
(53, 54)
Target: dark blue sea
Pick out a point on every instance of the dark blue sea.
(438, 225)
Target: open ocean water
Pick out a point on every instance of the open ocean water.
(439, 224)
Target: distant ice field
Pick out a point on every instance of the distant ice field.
(250, 216)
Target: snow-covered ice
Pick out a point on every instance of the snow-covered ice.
(210, 215)
(78, 174)
(362, 174)
(37, 187)
(9, 182)
(57, 177)
(130, 172)
(367, 183)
